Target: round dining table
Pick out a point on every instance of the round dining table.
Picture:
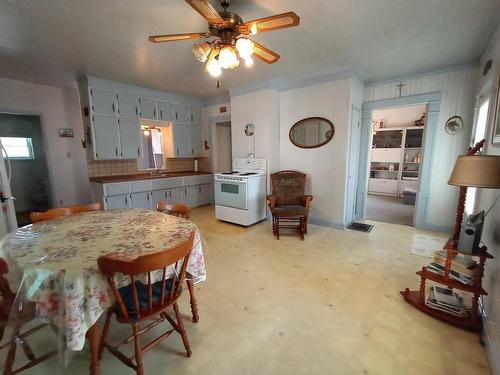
(56, 261)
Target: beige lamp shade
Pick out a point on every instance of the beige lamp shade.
(481, 171)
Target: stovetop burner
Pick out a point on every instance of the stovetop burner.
(232, 172)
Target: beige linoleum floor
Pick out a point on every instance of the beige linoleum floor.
(326, 305)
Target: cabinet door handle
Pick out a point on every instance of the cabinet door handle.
(199, 188)
(170, 193)
(177, 151)
(147, 196)
(176, 116)
(136, 110)
(139, 151)
(113, 107)
(192, 151)
(116, 151)
(161, 114)
(126, 200)
(165, 193)
(185, 192)
(154, 112)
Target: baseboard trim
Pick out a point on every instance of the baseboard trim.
(492, 350)
(326, 223)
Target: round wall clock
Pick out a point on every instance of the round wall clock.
(454, 125)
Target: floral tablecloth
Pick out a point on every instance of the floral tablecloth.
(58, 260)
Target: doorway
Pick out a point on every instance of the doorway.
(23, 143)
(223, 150)
(394, 163)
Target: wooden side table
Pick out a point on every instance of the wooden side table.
(291, 217)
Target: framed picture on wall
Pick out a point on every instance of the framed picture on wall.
(496, 119)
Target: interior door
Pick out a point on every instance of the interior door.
(352, 181)
(106, 140)
(130, 138)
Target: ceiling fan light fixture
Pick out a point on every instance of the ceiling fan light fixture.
(201, 51)
(244, 47)
(214, 68)
(228, 58)
(248, 62)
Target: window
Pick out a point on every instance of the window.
(18, 148)
(478, 134)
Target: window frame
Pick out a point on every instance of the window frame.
(29, 143)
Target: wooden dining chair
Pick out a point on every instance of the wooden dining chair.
(182, 210)
(18, 321)
(138, 302)
(63, 211)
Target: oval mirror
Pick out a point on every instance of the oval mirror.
(311, 132)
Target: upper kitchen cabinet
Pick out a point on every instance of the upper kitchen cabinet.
(195, 141)
(130, 138)
(103, 102)
(106, 137)
(181, 113)
(148, 108)
(195, 115)
(128, 105)
(165, 110)
(177, 141)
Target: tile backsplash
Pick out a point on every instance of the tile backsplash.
(98, 168)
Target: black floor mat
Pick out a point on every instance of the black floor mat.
(361, 227)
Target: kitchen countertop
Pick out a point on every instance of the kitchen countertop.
(146, 176)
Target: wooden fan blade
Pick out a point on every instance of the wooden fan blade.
(265, 54)
(175, 37)
(279, 21)
(207, 11)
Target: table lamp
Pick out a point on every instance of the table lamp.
(481, 171)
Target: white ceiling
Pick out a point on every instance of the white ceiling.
(54, 41)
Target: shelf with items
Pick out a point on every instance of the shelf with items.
(387, 138)
(418, 298)
(414, 137)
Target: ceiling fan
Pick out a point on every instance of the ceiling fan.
(228, 37)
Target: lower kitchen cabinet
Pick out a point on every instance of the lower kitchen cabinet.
(141, 200)
(204, 194)
(191, 195)
(171, 196)
(117, 201)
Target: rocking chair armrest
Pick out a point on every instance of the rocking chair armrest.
(306, 200)
(271, 201)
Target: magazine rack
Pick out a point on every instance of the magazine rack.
(417, 297)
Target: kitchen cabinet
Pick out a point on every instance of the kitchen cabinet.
(128, 105)
(165, 110)
(195, 141)
(103, 102)
(106, 139)
(204, 194)
(195, 115)
(177, 141)
(130, 138)
(148, 108)
(383, 186)
(386, 155)
(191, 194)
(141, 200)
(181, 113)
(117, 201)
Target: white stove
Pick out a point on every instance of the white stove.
(240, 195)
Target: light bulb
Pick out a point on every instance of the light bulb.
(244, 47)
(146, 132)
(253, 29)
(248, 62)
(227, 58)
(214, 68)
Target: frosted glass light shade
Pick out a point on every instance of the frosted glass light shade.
(227, 58)
(244, 47)
(482, 171)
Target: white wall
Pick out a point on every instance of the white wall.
(57, 108)
(457, 89)
(399, 117)
(325, 166)
(491, 231)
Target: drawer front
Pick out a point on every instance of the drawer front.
(374, 185)
(191, 180)
(390, 186)
(206, 179)
(166, 183)
(116, 188)
(140, 186)
(386, 154)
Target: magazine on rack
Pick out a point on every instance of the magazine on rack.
(459, 263)
(453, 306)
(439, 269)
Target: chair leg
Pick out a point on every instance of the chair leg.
(182, 330)
(105, 330)
(138, 352)
(192, 301)
(11, 356)
(301, 228)
(305, 225)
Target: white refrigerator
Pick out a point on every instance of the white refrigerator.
(8, 221)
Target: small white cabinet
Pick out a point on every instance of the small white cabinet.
(181, 113)
(128, 105)
(130, 138)
(165, 110)
(148, 108)
(103, 102)
(107, 141)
